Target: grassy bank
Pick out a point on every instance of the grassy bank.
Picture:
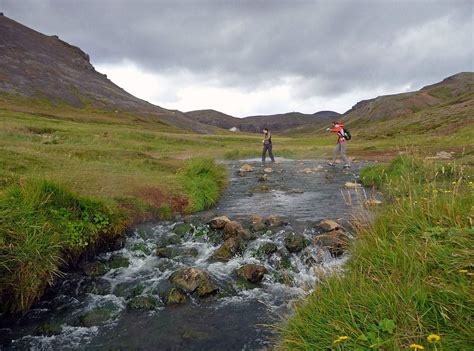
(411, 270)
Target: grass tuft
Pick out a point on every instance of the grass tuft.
(43, 225)
(203, 181)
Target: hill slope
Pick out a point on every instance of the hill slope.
(34, 65)
(278, 122)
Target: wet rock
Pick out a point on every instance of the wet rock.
(263, 178)
(169, 240)
(284, 262)
(95, 269)
(219, 222)
(274, 221)
(268, 248)
(268, 170)
(191, 279)
(328, 225)
(336, 242)
(192, 251)
(253, 273)
(182, 229)
(140, 248)
(246, 168)
(98, 287)
(95, 317)
(261, 189)
(256, 219)
(352, 185)
(296, 191)
(234, 229)
(165, 252)
(283, 277)
(307, 170)
(128, 289)
(143, 302)
(49, 329)
(258, 227)
(295, 242)
(118, 261)
(175, 297)
(227, 250)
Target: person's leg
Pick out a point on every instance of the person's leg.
(270, 152)
(264, 153)
(336, 150)
(343, 153)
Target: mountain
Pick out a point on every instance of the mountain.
(277, 122)
(458, 86)
(34, 65)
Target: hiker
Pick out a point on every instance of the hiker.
(267, 145)
(341, 147)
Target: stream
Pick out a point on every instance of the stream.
(121, 301)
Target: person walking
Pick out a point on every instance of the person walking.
(341, 147)
(267, 145)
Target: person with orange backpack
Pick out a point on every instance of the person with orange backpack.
(343, 136)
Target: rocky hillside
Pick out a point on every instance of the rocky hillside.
(391, 106)
(35, 65)
(278, 122)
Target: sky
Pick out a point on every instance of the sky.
(262, 57)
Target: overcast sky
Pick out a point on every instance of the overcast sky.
(262, 57)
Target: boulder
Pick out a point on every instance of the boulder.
(246, 168)
(253, 273)
(336, 242)
(352, 185)
(328, 225)
(274, 221)
(118, 261)
(182, 229)
(267, 248)
(191, 279)
(143, 302)
(95, 317)
(175, 297)
(256, 219)
(128, 289)
(227, 250)
(49, 329)
(258, 227)
(164, 252)
(234, 229)
(95, 269)
(295, 242)
(218, 222)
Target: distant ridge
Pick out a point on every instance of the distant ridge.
(277, 122)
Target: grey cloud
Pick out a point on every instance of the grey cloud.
(334, 46)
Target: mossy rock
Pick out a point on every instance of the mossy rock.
(95, 269)
(284, 262)
(128, 289)
(295, 242)
(141, 247)
(96, 317)
(118, 261)
(143, 302)
(98, 287)
(182, 229)
(172, 239)
(176, 297)
(192, 251)
(261, 189)
(165, 252)
(49, 329)
(267, 249)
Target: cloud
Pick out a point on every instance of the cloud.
(280, 54)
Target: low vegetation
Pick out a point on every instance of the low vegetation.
(408, 284)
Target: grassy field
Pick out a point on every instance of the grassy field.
(132, 169)
(410, 274)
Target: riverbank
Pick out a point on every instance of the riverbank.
(44, 227)
(410, 273)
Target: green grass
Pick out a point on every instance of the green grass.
(43, 226)
(411, 269)
(203, 181)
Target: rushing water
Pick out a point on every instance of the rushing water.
(240, 316)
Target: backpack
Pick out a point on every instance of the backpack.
(346, 134)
